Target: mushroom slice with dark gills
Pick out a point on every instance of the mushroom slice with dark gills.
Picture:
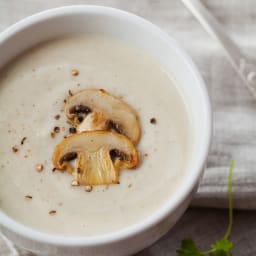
(96, 109)
(99, 156)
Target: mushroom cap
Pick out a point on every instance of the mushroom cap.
(103, 112)
(100, 155)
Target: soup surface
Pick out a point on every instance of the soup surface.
(32, 90)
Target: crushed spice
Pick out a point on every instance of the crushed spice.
(57, 117)
(88, 188)
(52, 212)
(102, 90)
(15, 149)
(153, 120)
(56, 129)
(74, 183)
(23, 140)
(28, 197)
(39, 167)
(75, 72)
(70, 93)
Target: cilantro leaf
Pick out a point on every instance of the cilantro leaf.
(188, 248)
(224, 245)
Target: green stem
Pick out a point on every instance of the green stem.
(230, 206)
(208, 252)
(230, 200)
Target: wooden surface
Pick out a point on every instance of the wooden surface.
(234, 109)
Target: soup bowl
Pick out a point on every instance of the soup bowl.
(142, 34)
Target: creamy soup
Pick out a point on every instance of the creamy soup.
(32, 90)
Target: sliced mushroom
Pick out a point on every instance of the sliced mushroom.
(94, 109)
(99, 156)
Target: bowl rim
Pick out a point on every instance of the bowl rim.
(183, 192)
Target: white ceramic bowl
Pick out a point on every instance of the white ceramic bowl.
(142, 34)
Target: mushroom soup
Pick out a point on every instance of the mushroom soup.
(33, 89)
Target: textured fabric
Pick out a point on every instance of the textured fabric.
(233, 108)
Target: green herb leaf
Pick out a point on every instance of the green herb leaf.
(230, 200)
(223, 245)
(188, 248)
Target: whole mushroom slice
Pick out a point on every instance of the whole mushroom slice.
(99, 156)
(96, 109)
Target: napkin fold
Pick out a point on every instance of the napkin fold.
(213, 187)
(7, 248)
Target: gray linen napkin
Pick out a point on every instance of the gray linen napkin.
(234, 118)
(7, 248)
(233, 107)
(213, 189)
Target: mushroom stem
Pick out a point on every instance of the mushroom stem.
(96, 168)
